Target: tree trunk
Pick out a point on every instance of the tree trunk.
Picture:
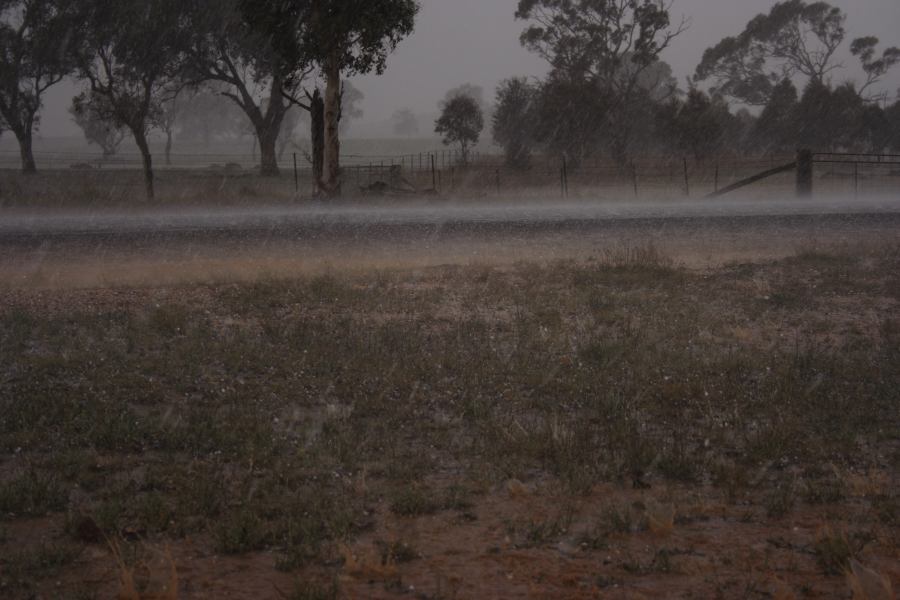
(268, 140)
(168, 147)
(26, 150)
(332, 160)
(141, 139)
(317, 137)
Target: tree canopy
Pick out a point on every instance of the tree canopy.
(599, 52)
(794, 38)
(133, 59)
(38, 41)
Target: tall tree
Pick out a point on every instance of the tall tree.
(133, 59)
(38, 39)
(461, 122)
(345, 38)
(513, 121)
(795, 37)
(600, 45)
(254, 51)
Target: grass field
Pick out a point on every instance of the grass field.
(616, 427)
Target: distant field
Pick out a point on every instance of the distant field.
(61, 153)
(620, 423)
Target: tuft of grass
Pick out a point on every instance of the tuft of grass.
(32, 495)
(414, 501)
(240, 531)
(781, 500)
(314, 591)
(396, 552)
(833, 552)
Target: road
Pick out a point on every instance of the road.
(175, 246)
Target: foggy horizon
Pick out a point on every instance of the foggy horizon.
(450, 47)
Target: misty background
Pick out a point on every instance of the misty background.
(477, 42)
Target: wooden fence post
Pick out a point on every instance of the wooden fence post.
(804, 173)
(433, 175)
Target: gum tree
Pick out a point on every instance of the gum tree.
(133, 59)
(602, 47)
(253, 52)
(345, 38)
(794, 38)
(37, 45)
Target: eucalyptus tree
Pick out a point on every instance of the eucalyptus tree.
(37, 48)
(133, 60)
(601, 47)
(794, 38)
(874, 66)
(345, 38)
(254, 52)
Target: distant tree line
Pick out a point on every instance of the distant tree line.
(225, 69)
(147, 64)
(609, 93)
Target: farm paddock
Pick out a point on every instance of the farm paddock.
(671, 413)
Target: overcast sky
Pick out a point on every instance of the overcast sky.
(477, 41)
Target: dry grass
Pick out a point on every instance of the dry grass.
(619, 407)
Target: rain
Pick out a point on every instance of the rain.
(419, 299)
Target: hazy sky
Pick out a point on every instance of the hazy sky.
(477, 41)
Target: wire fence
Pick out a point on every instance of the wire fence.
(76, 176)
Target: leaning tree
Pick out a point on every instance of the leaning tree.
(37, 45)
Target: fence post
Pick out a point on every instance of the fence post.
(687, 183)
(433, 175)
(804, 173)
(565, 177)
(856, 178)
